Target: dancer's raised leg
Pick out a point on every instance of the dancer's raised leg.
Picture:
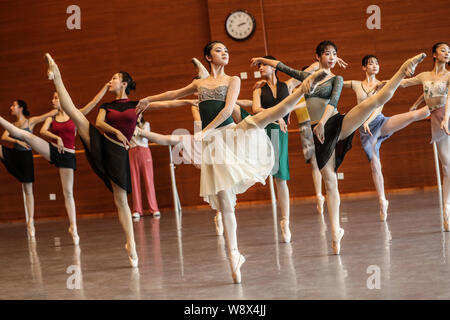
(38, 144)
(66, 175)
(402, 120)
(361, 112)
(263, 118)
(67, 105)
(124, 212)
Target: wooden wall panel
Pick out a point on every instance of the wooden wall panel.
(155, 40)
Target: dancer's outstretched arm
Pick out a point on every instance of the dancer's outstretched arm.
(412, 81)
(38, 119)
(171, 104)
(168, 95)
(245, 103)
(87, 108)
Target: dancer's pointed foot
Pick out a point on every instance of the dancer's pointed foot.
(309, 84)
(30, 229)
(53, 71)
(409, 67)
(219, 224)
(74, 234)
(336, 244)
(132, 255)
(202, 71)
(320, 203)
(285, 231)
(383, 209)
(237, 260)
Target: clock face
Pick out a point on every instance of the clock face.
(240, 25)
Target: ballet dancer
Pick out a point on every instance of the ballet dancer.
(19, 160)
(436, 84)
(220, 180)
(107, 154)
(377, 128)
(267, 96)
(61, 151)
(333, 132)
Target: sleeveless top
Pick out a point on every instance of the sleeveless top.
(121, 115)
(435, 89)
(211, 102)
(326, 93)
(269, 101)
(66, 130)
(18, 146)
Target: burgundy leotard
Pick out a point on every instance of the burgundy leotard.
(121, 114)
(66, 130)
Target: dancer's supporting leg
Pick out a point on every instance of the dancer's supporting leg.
(352, 121)
(230, 228)
(82, 124)
(40, 146)
(378, 180)
(443, 146)
(392, 125)
(283, 199)
(66, 176)
(317, 181)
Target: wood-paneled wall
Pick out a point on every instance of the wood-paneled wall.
(155, 40)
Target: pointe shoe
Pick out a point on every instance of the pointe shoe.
(336, 245)
(30, 229)
(219, 224)
(410, 65)
(53, 70)
(132, 258)
(285, 232)
(75, 237)
(383, 209)
(310, 83)
(202, 72)
(320, 202)
(236, 264)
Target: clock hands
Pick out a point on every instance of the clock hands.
(241, 24)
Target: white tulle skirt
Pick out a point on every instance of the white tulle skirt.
(233, 159)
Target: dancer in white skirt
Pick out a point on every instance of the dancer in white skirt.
(229, 165)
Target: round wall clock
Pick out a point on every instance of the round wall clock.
(240, 25)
